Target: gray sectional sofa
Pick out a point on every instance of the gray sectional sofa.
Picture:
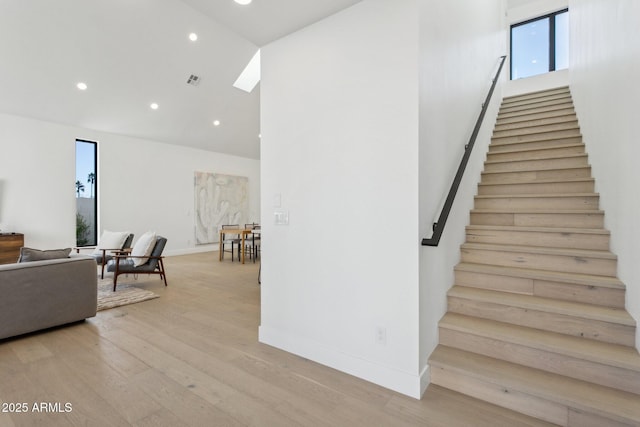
(42, 294)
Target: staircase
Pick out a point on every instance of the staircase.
(536, 320)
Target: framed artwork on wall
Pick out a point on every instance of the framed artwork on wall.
(219, 199)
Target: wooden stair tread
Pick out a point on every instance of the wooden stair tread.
(581, 395)
(556, 138)
(598, 231)
(535, 195)
(560, 118)
(554, 276)
(534, 105)
(538, 211)
(565, 104)
(534, 170)
(549, 110)
(530, 302)
(481, 412)
(534, 130)
(540, 181)
(533, 101)
(541, 250)
(524, 150)
(547, 157)
(595, 351)
(566, 109)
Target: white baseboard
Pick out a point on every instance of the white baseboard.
(412, 385)
(194, 250)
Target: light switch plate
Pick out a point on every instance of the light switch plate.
(281, 217)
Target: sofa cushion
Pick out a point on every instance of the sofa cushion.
(30, 254)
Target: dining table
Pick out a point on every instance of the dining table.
(242, 232)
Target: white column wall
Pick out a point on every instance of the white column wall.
(143, 185)
(604, 70)
(339, 153)
(460, 45)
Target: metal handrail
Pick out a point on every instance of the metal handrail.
(438, 227)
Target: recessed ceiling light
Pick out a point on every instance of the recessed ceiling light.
(154, 106)
(82, 86)
(193, 37)
(243, 2)
(216, 122)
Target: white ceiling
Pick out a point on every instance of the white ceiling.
(134, 52)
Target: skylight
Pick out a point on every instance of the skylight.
(250, 76)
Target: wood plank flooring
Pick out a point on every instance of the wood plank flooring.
(192, 358)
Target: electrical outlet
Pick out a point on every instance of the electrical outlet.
(381, 335)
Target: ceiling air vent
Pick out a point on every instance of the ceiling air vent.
(193, 80)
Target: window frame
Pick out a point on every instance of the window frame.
(552, 39)
(94, 237)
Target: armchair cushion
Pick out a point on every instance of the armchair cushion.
(143, 247)
(111, 240)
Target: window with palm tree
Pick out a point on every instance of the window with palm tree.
(86, 201)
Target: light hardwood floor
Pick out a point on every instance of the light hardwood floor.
(192, 358)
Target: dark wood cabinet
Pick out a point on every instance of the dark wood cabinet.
(10, 244)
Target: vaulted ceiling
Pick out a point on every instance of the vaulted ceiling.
(131, 53)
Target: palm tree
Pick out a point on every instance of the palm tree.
(79, 188)
(91, 179)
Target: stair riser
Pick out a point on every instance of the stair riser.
(577, 220)
(535, 154)
(535, 129)
(585, 419)
(537, 188)
(533, 176)
(525, 116)
(560, 239)
(544, 121)
(585, 293)
(589, 294)
(534, 165)
(567, 133)
(520, 112)
(497, 146)
(570, 325)
(539, 203)
(586, 370)
(505, 109)
(498, 395)
(546, 262)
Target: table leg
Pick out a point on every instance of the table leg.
(243, 247)
(220, 248)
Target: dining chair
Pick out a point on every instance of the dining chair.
(230, 239)
(252, 242)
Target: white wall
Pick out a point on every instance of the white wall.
(604, 71)
(339, 104)
(460, 45)
(143, 185)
